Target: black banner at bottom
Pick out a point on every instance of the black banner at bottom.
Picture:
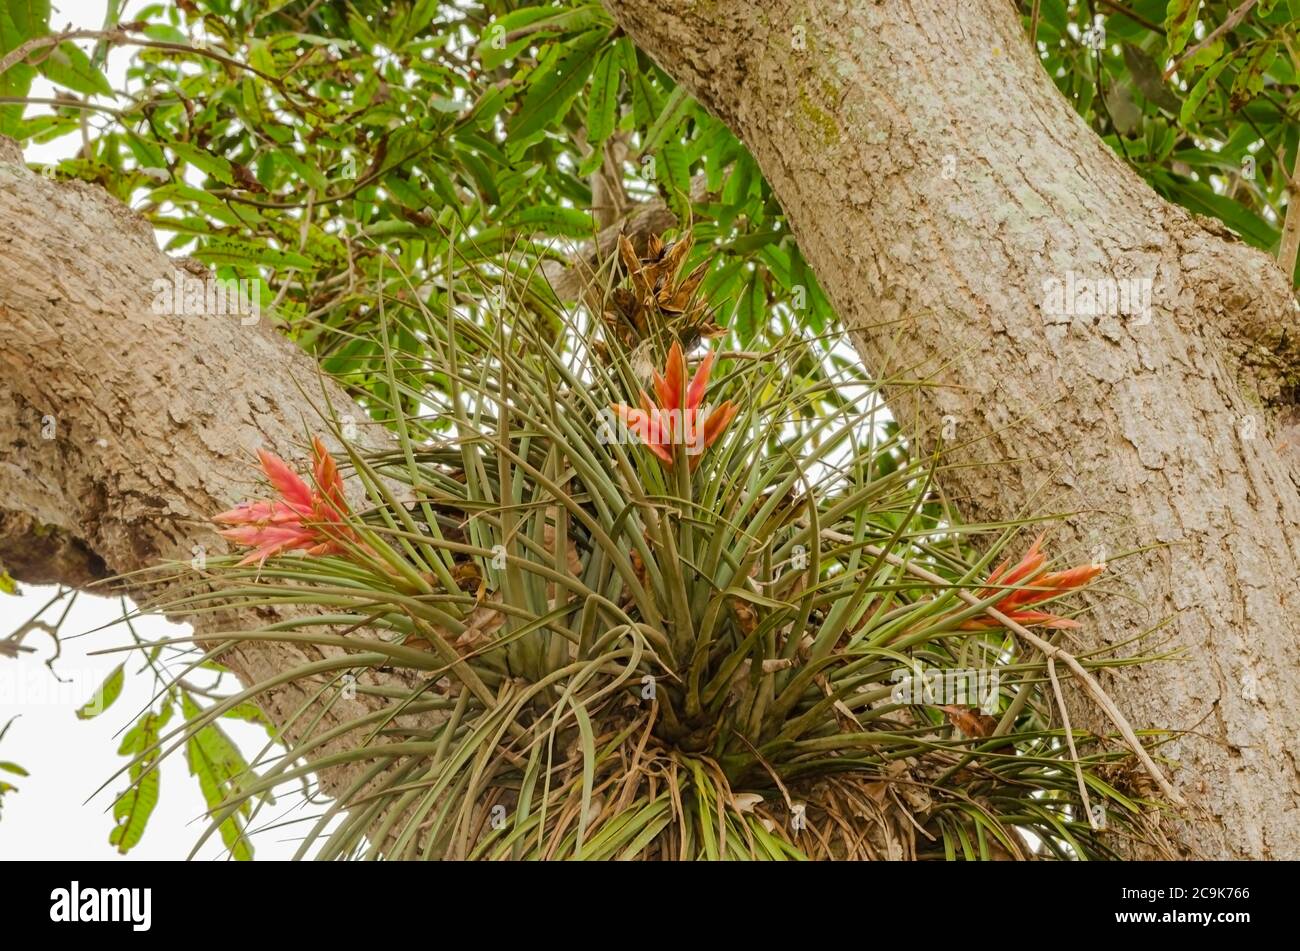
(142, 900)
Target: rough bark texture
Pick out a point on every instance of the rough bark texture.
(935, 178)
(122, 430)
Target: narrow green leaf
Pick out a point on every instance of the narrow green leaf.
(549, 99)
(214, 165)
(602, 106)
(1187, 115)
(1180, 18)
(68, 66)
(554, 219)
(1249, 81)
(108, 691)
(674, 110)
(31, 17)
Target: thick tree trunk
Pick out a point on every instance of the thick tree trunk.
(123, 430)
(936, 179)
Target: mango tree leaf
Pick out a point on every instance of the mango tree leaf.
(31, 17)
(1147, 77)
(108, 691)
(214, 165)
(496, 47)
(233, 251)
(406, 193)
(1202, 199)
(17, 80)
(1054, 14)
(250, 712)
(1249, 81)
(1180, 18)
(602, 106)
(549, 99)
(554, 219)
(675, 109)
(68, 66)
(1204, 57)
(133, 807)
(221, 771)
(484, 181)
(673, 171)
(1187, 115)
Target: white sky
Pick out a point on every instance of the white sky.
(68, 759)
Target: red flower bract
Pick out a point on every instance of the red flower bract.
(1037, 586)
(673, 421)
(304, 518)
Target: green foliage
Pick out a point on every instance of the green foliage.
(221, 771)
(1212, 126)
(384, 173)
(108, 691)
(214, 760)
(132, 809)
(297, 137)
(607, 657)
(302, 139)
(13, 769)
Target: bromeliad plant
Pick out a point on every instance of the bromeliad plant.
(567, 638)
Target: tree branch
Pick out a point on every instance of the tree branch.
(123, 429)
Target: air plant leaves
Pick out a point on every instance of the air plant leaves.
(602, 657)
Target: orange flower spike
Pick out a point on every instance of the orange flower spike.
(1027, 567)
(644, 424)
(1058, 582)
(720, 418)
(669, 386)
(699, 382)
(293, 522)
(285, 481)
(678, 417)
(1034, 586)
(328, 481)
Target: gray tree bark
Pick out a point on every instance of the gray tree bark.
(935, 180)
(122, 430)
